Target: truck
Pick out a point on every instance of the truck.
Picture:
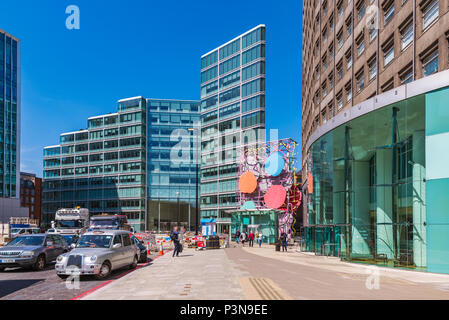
(17, 226)
(110, 221)
(71, 221)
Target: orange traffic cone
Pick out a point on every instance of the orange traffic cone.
(161, 252)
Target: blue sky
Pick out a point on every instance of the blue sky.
(149, 48)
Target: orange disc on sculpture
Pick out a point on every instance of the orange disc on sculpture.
(275, 197)
(247, 182)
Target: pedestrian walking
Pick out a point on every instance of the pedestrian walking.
(283, 239)
(237, 236)
(243, 238)
(174, 235)
(259, 239)
(251, 237)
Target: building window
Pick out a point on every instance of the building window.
(360, 44)
(361, 11)
(324, 62)
(324, 89)
(372, 34)
(317, 72)
(360, 77)
(331, 23)
(372, 66)
(325, 8)
(340, 8)
(388, 50)
(407, 34)
(339, 100)
(349, 25)
(430, 63)
(340, 39)
(324, 33)
(406, 74)
(430, 13)
(388, 12)
(330, 107)
(388, 85)
(339, 70)
(331, 51)
(331, 81)
(323, 116)
(348, 89)
(348, 56)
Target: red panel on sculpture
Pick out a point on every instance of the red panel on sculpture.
(275, 196)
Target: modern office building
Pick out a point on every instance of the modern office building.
(172, 166)
(232, 116)
(375, 94)
(10, 127)
(121, 164)
(31, 195)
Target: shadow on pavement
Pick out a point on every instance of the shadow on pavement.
(50, 266)
(11, 286)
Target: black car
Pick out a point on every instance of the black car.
(143, 250)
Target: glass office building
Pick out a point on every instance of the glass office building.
(232, 116)
(172, 166)
(104, 167)
(9, 116)
(378, 180)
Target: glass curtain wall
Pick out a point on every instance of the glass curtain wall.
(369, 188)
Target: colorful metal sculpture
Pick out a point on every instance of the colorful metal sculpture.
(266, 180)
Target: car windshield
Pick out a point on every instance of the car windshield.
(70, 238)
(27, 241)
(94, 241)
(69, 224)
(104, 222)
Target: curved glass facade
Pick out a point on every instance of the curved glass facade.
(377, 185)
(368, 194)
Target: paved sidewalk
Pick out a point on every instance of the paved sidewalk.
(336, 265)
(204, 275)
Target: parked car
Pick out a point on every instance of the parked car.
(143, 258)
(23, 231)
(32, 251)
(98, 253)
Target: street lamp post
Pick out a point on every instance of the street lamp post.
(177, 193)
(197, 179)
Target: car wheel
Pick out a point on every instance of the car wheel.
(105, 271)
(63, 276)
(40, 263)
(134, 264)
(2, 269)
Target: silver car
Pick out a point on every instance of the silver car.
(98, 253)
(34, 250)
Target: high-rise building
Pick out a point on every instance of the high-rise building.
(232, 116)
(121, 164)
(374, 120)
(9, 127)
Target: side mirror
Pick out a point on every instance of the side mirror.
(49, 243)
(117, 245)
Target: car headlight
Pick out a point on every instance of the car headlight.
(93, 258)
(27, 254)
(60, 258)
